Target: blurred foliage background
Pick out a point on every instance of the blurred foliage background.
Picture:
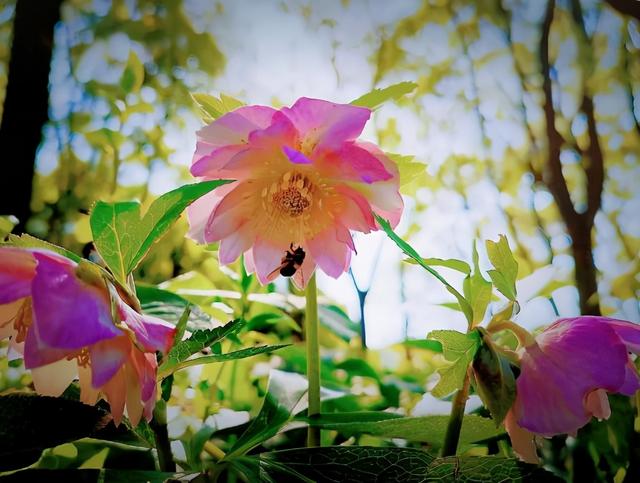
(525, 122)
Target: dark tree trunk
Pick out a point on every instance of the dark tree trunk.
(579, 225)
(26, 102)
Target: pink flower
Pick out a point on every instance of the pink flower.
(566, 375)
(302, 180)
(59, 316)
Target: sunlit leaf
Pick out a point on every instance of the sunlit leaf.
(424, 429)
(123, 237)
(133, 74)
(477, 290)
(27, 241)
(506, 267)
(459, 349)
(211, 107)
(377, 97)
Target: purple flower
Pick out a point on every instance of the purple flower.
(565, 376)
(58, 314)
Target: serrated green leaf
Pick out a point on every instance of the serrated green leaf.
(377, 97)
(459, 349)
(229, 356)
(423, 429)
(355, 464)
(211, 107)
(477, 290)
(410, 251)
(494, 379)
(27, 241)
(506, 267)
(90, 475)
(199, 340)
(123, 238)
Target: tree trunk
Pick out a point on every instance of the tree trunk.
(26, 102)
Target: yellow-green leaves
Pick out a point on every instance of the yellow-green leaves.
(377, 97)
(122, 236)
(133, 74)
(459, 349)
(477, 290)
(506, 267)
(211, 108)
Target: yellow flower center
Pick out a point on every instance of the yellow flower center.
(292, 195)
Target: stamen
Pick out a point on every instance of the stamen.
(23, 320)
(292, 196)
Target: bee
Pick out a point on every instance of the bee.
(290, 263)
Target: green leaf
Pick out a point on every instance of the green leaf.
(452, 263)
(477, 290)
(423, 429)
(195, 445)
(408, 249)
(430, 345)
(377, 97)
(123, 238)
(494, 379)
(27, 241)
(412, 173)
(355, 464)
(229, 356)
(459, 349)
(199, 340)
(506, 267)
(31, 423)
(211, 108)
(133, 74)
(286, 395)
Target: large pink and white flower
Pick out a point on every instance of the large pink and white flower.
(58, 314)
(565, 376)
(302, 180)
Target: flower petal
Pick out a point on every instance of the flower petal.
(522, 440)
(152, 333)
(115, 391)
(325, 125)
(331, 255)
(52, 379)
(17, 269)
(296, 157)
(266, 257)
(8, 313)
(237, 207)
(597, 403)
(234, 127)
(304, 273)
(199, 212)
(107, 358)
(69, 313)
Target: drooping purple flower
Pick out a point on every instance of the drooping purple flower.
(59, 315)
(566, 375)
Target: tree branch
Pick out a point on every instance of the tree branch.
(626, 7)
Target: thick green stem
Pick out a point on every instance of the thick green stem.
(452, 435)
(313, 358)
(161, 435)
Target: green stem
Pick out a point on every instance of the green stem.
(313, 358)
(452, 436)
(161, 435)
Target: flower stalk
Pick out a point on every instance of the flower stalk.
(313, 358)
(452, 436)
(161, 435)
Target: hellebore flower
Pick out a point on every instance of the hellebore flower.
(565, 377)
(302, 181)
(59, 315)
